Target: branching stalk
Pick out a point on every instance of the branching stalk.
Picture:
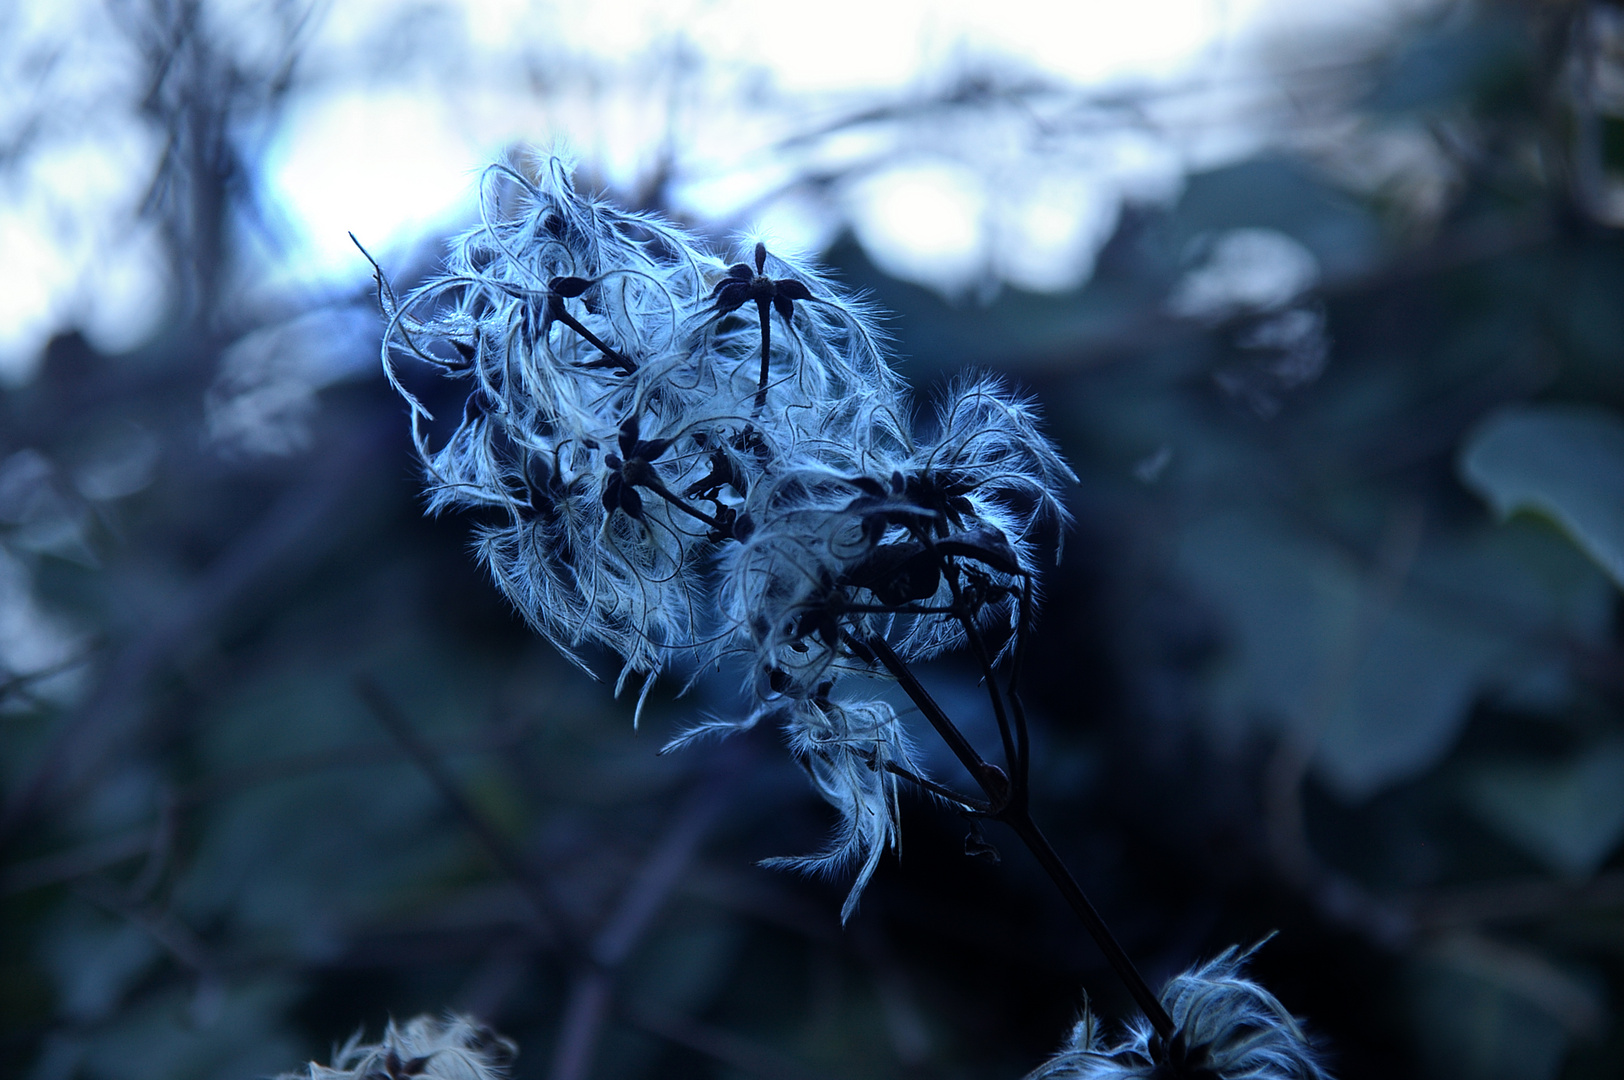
(765, 308)
(1009, 804)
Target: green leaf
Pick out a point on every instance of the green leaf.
(1379, 680)
(1569, 815)
(94, 960)
(1563, 461)
(181, 1033)
(1379, 694)
(1493, 1010)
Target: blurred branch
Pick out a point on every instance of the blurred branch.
(765, 900)
(730, 1049)
(171, 935)
(1529, 975)
(538, 889)
(1338, 896)
(204, 101)
(21, 681)
(905, 1016)
(339, 757)
(298, 530)
(1518, 901)
(160, 849)
(96, 855)
(1399, 922)
(81, 861)
(593, 986)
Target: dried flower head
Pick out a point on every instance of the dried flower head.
(688, 461)
(1227, 1027)
(427, 1048)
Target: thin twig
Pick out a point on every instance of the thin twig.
(682, 504)
(733, 1050)
(347, 756)
(978, 647)
(611, 357)
(87, 858)
(170, 934)
(663, 869)
(1514, 901)
(942, 791)
(21, 681)
(956, 742)
(584, 1014)
(1021, 821)
(1021, 771)
(592, 990)
(537, 889)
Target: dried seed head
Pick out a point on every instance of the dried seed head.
(429, 1048)
(688, 460)
(1227, 1028)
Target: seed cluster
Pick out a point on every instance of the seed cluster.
(424, 1048)
(688, 463)
(1228, 1028)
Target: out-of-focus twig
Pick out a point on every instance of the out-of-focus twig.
(557, 925)
(170, 934)
(592, 990)
(19, 682)
(299, 528)
(76, 862)
(736, 1051)
(350, 756)
(1517, 901)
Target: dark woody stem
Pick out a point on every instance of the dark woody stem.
(1010, 806)
(681, 504)
(1038, 844)
(765, 309)
(611, 358)
(1020, 767)
(940, 790)
(979, 768)
(894, 609)
(978, 646)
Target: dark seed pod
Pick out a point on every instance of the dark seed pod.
(568, 287)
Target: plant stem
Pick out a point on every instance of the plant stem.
(1010, 806)
(766, 345)
(611, 358)
(956, 742)
(1038, 844)
(681, 504)
(554, 918)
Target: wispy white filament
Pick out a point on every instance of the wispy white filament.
(425, 1048)
(1227, 1027)
(650, 488)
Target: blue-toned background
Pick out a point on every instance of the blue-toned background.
(1326, 308)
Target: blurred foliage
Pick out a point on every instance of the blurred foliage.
(1335, 650)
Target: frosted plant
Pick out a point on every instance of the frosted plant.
(1227, 1028)
(688, 460)
(846, 748)
(428, 1048)
(684, 461)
